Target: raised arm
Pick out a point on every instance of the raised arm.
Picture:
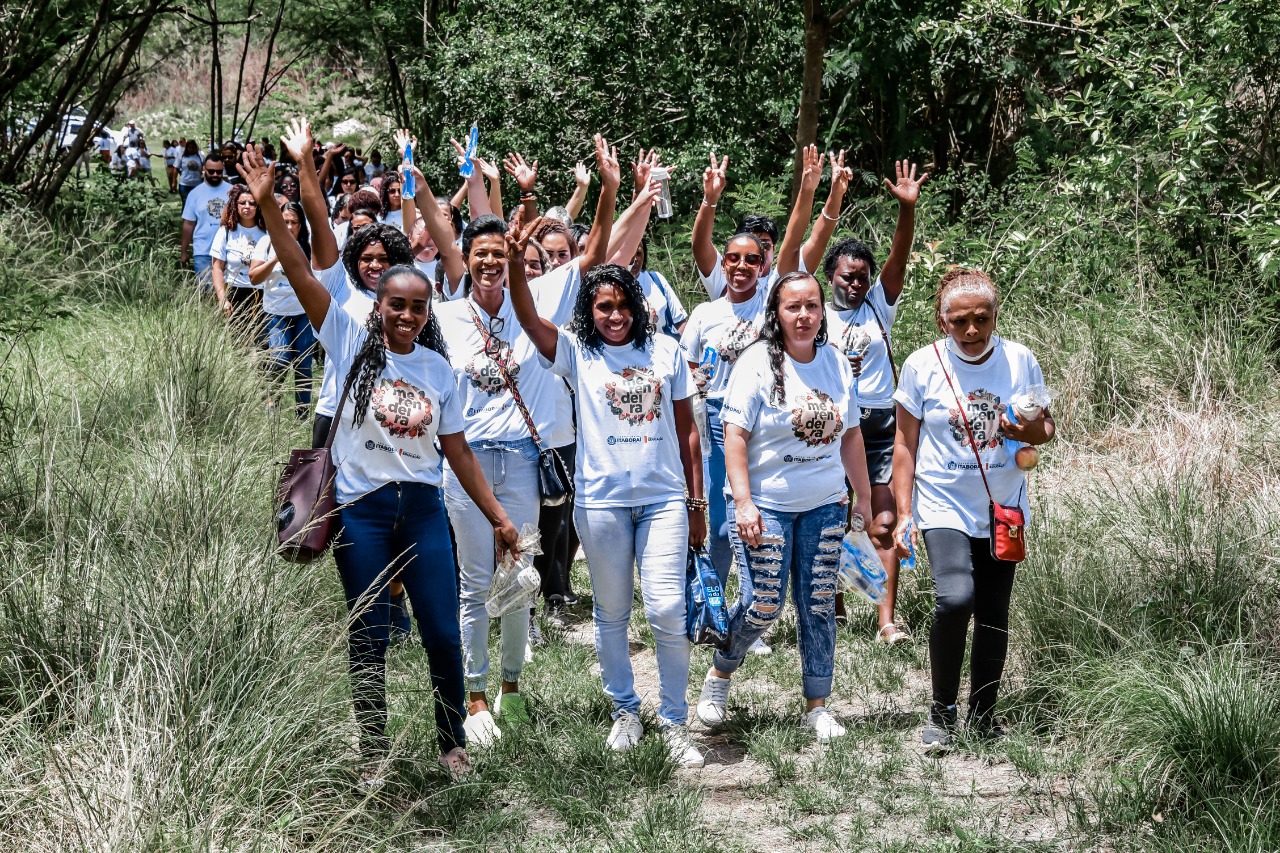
(581, 181)
(630, 227)
(543, 333)
(610, 178)
(713, 183)
(327, 171)
(526, 176)
(440, 229)
(408, 211)
(459, 197)
(825, 225)
(477, 200)
(310, 292)
(493, 175)
(907, 191)
(299, 142)
(789, 252)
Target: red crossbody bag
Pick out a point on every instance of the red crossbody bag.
(1008, 524)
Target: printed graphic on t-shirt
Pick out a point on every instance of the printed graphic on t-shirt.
(636, 396)
(855, 338)
(816, 419)
(984, 410)
(735, 339)
(214, 207)
(401, 408)
(485, 374)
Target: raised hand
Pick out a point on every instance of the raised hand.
(257, 175)
(812, 172)
(841, 174)
(402, 138)
(643, 166)
(526, 174)
(461, 151)
(581, 175)
(714, 179)
(607, 163)
(298, 141)
(487, 169)
(649, 195)
(518, 239)
(907, 188)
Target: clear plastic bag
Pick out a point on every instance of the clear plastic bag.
(516, 582)
(860, 567)
(1030, 403)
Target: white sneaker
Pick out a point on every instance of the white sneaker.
(823, 724)
(760, 647)
(713, 701)
(682, 750)
(626, 732)
(481, 729)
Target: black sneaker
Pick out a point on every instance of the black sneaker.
(984, 725)
(940, 730)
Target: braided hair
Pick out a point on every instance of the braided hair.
(771, 331)
(583, 324)
(392, 239)
(371, 360)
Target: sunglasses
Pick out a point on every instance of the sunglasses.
(348, 180)
(213, 171)
(734, 257)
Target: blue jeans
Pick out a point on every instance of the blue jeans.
(805, 554)
(292, 343)
(203, 265)
(654, 537)
(713, 474)
(400, 528)
(511, 469)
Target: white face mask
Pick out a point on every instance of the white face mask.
(971, 359)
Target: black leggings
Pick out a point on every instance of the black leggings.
(970, 585)
(559, 538)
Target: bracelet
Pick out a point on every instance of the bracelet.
(528, 196)
(829, 218)
(707, 203)
(696, 504)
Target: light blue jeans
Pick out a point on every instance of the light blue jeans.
(203, 266)
(511, 469)
(654, 537)
(805, 554)
(713, 474)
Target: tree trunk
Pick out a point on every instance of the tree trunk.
(817, 29)
(264, 86)
(244, 54)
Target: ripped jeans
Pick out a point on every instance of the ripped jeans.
(804, 553)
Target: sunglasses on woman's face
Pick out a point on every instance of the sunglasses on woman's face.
(734, 257)
(351, 181)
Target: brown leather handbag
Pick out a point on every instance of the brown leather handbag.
(305, 502)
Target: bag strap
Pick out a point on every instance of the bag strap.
(884, 333)
(337, 416)
(967, 428)
(506, 376)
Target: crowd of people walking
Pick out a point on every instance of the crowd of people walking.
(462, 353)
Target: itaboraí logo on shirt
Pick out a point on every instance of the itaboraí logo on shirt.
(635, 396)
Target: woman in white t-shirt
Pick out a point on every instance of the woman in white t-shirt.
(232, 248)
(190, 167)
(390, 196)
(401, 420)
(290, 338)
(638, 451)
(791, 439)
(941, 487)
(715, 334)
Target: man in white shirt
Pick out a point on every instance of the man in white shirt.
(201, 218)
(132, 135)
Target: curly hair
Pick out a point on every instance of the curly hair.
(392, 239)
(231, 214)
(544, 225)
(771, 331)
(388, 178)
(365, 200)
(848, 248)
(371, 360)
(583, 324)
(958, 282)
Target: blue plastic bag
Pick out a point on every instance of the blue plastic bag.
(708, 622)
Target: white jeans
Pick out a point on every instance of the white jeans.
(511, 469)
(654, 537)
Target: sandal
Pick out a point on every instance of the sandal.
(457, 762)
(890, 635)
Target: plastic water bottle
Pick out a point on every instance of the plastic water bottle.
(860, 567)
(708, 363)
(410, 184)
(909, 561)
(466, 170)
(1030, 403)
(516, 593)
(663, 177)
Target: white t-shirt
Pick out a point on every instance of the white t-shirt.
(356, 303)
(278, 297)
(628, 451)
(204, 207)
(428, 268)
(394, 217)
(875, 383)
(106, 143)
(235, 248)
(340, 233)
(413, 401)
(948, 486)
(727, 327)
(488, 408)
(665, 309)
(793, 452)
(171, 155)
